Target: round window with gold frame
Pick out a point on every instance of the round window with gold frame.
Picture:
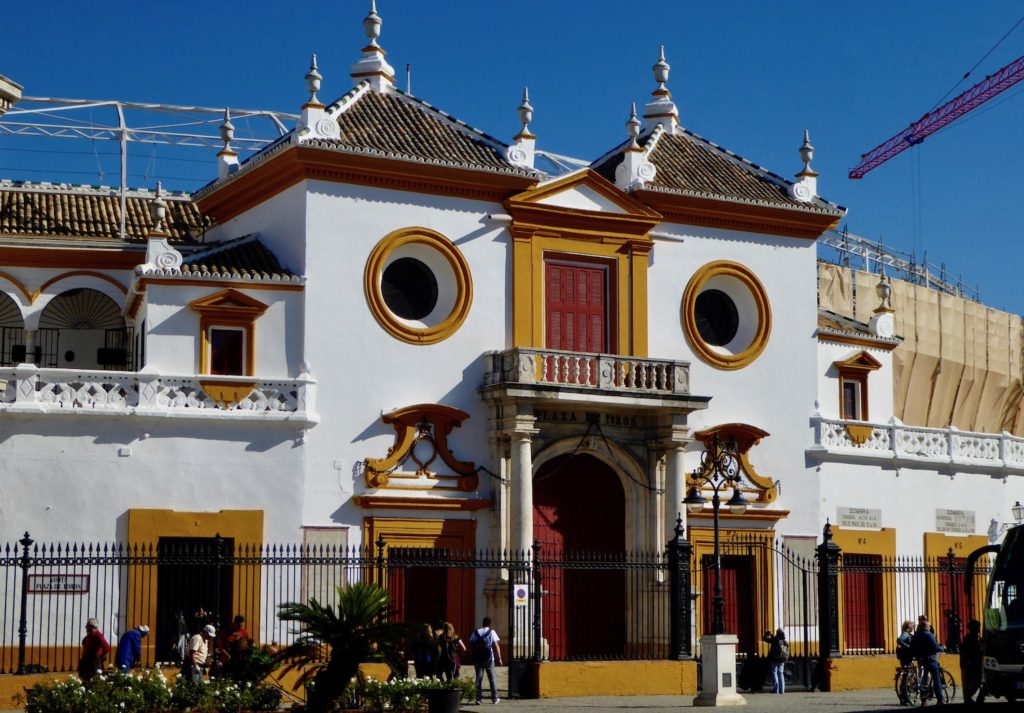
(726, 315)
(418, 285)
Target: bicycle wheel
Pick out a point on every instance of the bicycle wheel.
(902, 684)
(911, 687)
(948, 686)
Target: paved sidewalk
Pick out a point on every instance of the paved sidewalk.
(871, 701)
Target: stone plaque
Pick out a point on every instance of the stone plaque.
(58, 583)
(859, 517)
(954, 520)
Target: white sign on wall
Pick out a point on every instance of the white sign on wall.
(859, 517)
(954, 520)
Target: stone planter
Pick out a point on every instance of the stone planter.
(443, 701)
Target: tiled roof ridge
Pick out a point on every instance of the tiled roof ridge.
(7, 184)
(456, 123)
(652, 141)
(802, 208)
(851, 327)
(219, 247)
(751, 167)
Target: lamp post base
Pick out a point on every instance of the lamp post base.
(718, 672)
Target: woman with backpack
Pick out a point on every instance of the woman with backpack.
(424, 652)
(778, 653)
(450, 648)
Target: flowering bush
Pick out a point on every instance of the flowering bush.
(149, 692)
(409, 693)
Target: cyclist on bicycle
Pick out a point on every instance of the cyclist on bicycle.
(926, 649)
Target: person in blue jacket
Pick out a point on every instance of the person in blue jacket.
(129, 648)
(926, 650)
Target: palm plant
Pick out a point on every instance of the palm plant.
(332, 643)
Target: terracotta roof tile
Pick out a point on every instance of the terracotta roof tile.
(395, 123)
(687, 163)
(86, 213)
(244, 257)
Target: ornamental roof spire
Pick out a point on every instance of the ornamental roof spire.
(371, 66)
(313, 78)
(314, 122)
(636, 170)
(633, 128)
(227, 157)
(522, 152)
(661, 109)
(806, 187)
(159, 254)
(158, 210)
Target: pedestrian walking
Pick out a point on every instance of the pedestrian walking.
(450, 648)
(197, 653)
(484, 645)
(778, 654)
(971, 662)
(95, 650)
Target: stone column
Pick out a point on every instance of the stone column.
(674, 441)
(521, 436)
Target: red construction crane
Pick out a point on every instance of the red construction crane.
(946, 114)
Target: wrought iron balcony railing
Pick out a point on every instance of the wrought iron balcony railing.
(28, 389)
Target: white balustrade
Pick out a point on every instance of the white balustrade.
(27, 389)
(587, 371)
(937, 447)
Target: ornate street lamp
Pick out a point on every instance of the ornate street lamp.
(719, 470)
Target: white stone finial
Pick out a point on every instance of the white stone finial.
(372, 23)
(525, 111)
(661, 109)
(633, 126)
(372, 67)
(227, 157)
(636, 170)
(806, 187)
(158, 210)
(883, 321)
(522, 152)
(313, 79)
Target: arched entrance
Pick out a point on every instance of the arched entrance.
(579, 517)
(12, 332)
(83, 329)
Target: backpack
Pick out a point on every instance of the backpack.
(779, 650)
(481, 647)
(450, 654)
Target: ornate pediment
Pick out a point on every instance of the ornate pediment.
(421, 437)
(742, 437)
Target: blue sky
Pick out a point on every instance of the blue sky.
(750, 76)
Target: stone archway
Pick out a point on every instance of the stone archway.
(579, 517)
(82, 328)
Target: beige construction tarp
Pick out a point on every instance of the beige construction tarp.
(960, 362)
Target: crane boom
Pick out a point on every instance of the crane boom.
(946, 114)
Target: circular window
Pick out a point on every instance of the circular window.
(409, 288)
(717, 318)
(418, 285)
(726, 315)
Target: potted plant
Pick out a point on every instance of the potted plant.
(333, 642)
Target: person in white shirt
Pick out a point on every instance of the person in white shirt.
(197, 652)
(484, 646)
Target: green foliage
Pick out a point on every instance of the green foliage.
(331, 642)
(251, 665)
(149, 692)
(410, 693)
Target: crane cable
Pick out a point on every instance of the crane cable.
(969, 71)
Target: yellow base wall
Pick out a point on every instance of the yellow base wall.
(616, 678)
(860, 672)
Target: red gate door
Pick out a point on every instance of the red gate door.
(863, 612)
(737, 574)
(576, 310)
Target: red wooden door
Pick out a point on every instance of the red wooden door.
(737, 574)
(576, 307)
(952, 598)
(578, 514)
(862, 602)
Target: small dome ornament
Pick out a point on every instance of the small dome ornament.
(884, 291)
(313, 79)
(661, 69)
(805, 188)
(227, 129)
(372, 23)
(158, 209)
(807, 150)
(525, 111)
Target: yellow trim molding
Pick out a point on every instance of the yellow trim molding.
(705, 351)
(872, 542)
(228, 308)
(856, 370)
(226, 393)
(17, 283)
(79, 273)
(381, 502)
(936, 548)
(746, 437)
(374, 271)
(859, 433)
(542, 231)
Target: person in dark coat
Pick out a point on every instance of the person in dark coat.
(971, 663)
(926, 650)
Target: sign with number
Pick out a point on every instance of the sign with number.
(954, 520)
(859, 517)
(58, 583)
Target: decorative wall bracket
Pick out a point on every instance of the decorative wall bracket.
(421, 434)
(745, 437)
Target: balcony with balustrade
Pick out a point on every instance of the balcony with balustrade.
(910, 446)
(609, 379)
(27, 389)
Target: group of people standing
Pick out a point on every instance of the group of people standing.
(438, 650)
(919, 644)
(95, 650)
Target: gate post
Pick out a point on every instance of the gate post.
(535, 572)
(218, 547)
(25, 564)
(953, 623)
(828, 554)
(679, 549)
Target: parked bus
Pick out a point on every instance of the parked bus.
(1003, 625)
